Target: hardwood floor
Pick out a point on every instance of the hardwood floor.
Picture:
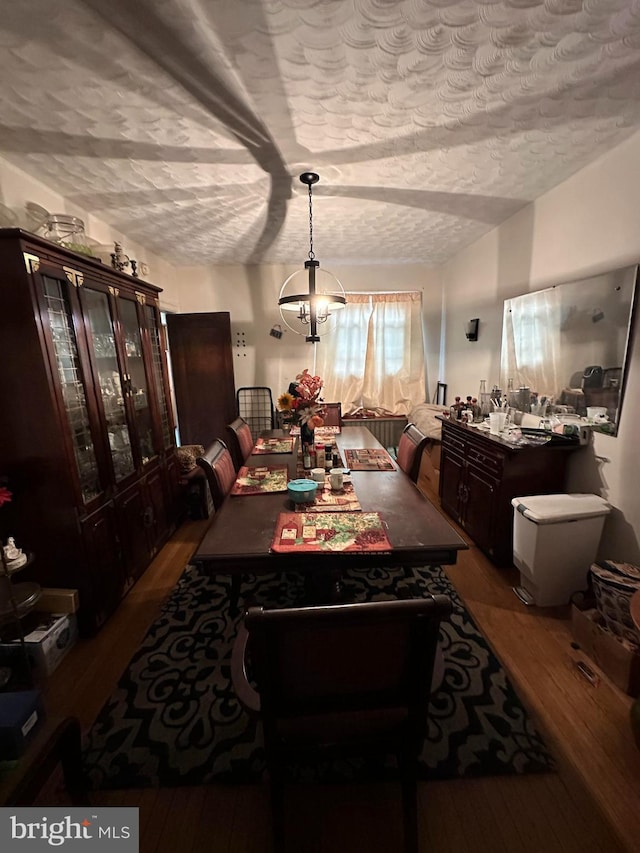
(589, 806)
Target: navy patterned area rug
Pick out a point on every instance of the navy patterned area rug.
(174, 719)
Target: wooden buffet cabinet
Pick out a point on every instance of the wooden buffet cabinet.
(86, 433)
(479, 475)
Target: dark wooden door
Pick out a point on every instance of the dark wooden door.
(451, 483)
(135, 515)
(103, 582)
(157, 521)
(202, 367)
(480, 508)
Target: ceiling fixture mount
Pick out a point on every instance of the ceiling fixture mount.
(304, 312)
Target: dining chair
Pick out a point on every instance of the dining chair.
(410, 450)
(219, 469)
(338, 681)
(255, 406)
(59, 744)
(240, 441)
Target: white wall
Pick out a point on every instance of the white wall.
(17, 188)
(587, 225)
(250, 294)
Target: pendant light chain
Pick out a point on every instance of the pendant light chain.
(311, 254)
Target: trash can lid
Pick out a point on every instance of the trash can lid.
(550, 509)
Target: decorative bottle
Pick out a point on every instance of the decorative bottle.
(328, 456)
(484, 398)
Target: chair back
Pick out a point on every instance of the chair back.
(410, 449)
(255, 406)
(364, 668)
(332, 414)
(218, 466)
(341, 680)
(240, 441)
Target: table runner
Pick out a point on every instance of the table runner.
(320, 433)
(326, 500)
(261, 480)
(369, 459)
(329, 531)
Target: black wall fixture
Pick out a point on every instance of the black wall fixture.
(472, 329)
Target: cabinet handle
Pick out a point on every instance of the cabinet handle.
(147, 516)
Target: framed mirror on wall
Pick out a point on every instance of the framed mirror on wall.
(565, 348)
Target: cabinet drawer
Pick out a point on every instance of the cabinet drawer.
(453, 442)
(492, 463)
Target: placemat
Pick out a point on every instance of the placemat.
(259, 481)
(326, 500)
(329, 531)
(273, 445)
(366, 459)
(320, 433)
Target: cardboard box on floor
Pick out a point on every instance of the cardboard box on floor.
(614, 657)
(48, 638)
(58, 600)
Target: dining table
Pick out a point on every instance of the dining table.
(239, 540)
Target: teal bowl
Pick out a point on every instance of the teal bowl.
(302, 491)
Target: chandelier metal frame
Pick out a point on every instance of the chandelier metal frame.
(316, 306)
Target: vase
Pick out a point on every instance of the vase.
(306, 435)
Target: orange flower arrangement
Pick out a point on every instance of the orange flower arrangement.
(301, 403)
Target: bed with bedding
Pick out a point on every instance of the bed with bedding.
(424, 417)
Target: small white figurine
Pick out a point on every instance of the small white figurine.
(13, 556)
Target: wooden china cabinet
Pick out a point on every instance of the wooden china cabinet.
(86, 429)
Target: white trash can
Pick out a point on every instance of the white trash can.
(555, 540)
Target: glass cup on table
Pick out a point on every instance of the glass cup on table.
(497, 422)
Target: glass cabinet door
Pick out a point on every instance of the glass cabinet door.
(156, 360)
(136, 377)
(72, 385)
(96, 306)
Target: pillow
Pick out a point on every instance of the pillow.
(187, 455)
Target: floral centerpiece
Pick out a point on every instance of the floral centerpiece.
(301, 405)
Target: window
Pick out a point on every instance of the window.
(375, 356)
(531, 341)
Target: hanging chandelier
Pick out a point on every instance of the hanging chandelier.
(303, 313)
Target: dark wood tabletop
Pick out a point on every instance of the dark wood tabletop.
(239, 538)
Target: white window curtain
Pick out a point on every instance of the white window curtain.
(375, 355)
(531, 352)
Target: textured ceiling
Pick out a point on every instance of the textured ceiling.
(185, 123)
